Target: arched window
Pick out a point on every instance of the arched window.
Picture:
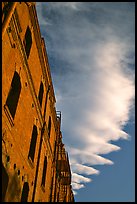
(5, 180)
(25, 192)
(27, 41)
(14, 94)
(49, 126)
(41, 90)
(33, 143)
(44, 172)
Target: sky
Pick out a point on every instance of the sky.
(91, 52)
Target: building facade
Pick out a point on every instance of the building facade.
(35, 165)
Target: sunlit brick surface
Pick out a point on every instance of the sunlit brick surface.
(22, 177)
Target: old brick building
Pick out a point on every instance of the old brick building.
(35, 165)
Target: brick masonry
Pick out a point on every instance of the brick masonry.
(21, 177)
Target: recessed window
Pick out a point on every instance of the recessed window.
(5, 180)
(49, 126)
(18, 172)
(8, 158)
(6, 6)
(14, 166)
(14, 94)
(33, 143)
(44, 172)
(41, 90)
(25, 192)
(64, 199)
(27, 41)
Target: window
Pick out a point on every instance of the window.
(51, 189)
(25, 192)
(41, 90)
(5, 180)
(27, 41)
(33, 143)
(64, 199)
(46, 101)
(14, 94)
(6, 6)
(44, 172)
(49, 126)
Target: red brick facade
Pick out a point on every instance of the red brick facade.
(35, 166)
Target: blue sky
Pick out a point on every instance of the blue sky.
(91, 51)
(116, 183)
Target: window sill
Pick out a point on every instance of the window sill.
(43, 188)
(30, 162)
(7, 112)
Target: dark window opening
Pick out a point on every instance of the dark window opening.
(55, 145)
(33, 143)
(25, 192)
(5, 180)
(6, 6)
(41, 90)
(51, 190)
(27, 41)
(49, 126)
(14, 94)
(44, 172)
(14, 166)
(64, 199)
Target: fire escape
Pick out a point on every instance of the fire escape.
(62, 167)
(64, 173)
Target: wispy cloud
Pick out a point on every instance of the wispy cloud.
(62, 5)
(42, 20)
(77, 186)
(91, 53)
(80, 168)
(85, 156)
(79, 178)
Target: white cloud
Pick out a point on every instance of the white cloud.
(109, 100)
(80, 168)
(77, 186)
(62, 5)
(70, 5)
(84, 156)
(41, 18)
(95, 86)
(74, 192)
(79, 178)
